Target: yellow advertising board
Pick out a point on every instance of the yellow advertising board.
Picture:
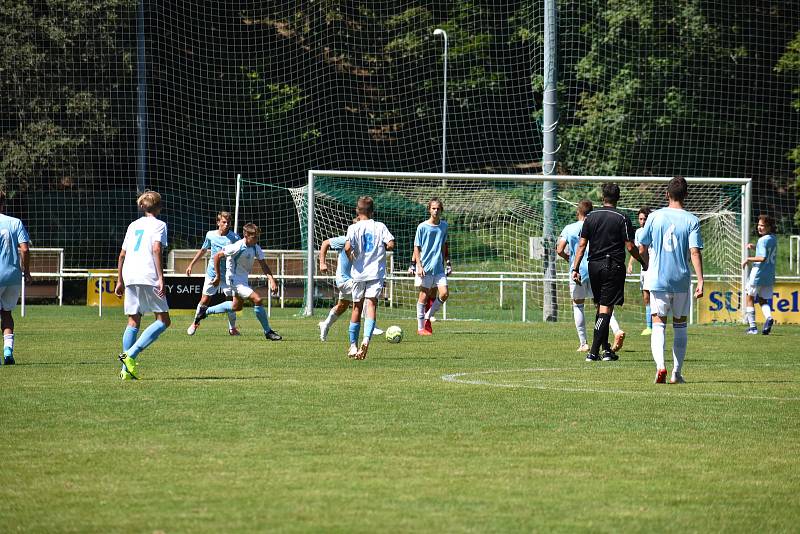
(108, 284)
(721, 304)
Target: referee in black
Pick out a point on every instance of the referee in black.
(610, 233)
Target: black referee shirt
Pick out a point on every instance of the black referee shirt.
(607, 229)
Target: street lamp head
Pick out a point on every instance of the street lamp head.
(439, 31)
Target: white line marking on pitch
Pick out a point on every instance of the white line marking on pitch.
(456, 379)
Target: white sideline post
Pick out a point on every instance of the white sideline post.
(309, 311)
(236, 206)
(794, 253)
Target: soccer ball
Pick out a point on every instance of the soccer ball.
(394, 334)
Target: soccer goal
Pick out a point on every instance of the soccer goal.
(502, 235)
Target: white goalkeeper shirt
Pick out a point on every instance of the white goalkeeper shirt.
(139, 266)
(240, 258)
(368, 238)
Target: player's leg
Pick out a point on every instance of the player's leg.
(345, 299)
(441, 294)
(424, 285)
(660, 306)
(260, 312)
(680, 313)
(648, 317)
(148, 301)
(7, 324)
(596, 280)
(619, 333)
(579, 293)
(355, 319)
(200, 312)
(764, 296)
(750, 310)
(372, 291)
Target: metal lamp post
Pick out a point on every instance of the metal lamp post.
(439, 31)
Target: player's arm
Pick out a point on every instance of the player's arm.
(217, 259)
(120, 283)
(561, 249)
(630, 246)
(200, 252)
(273, 285)
(389, 245)
(643, 254)
(753, 259)
(348, 249)
(579, 252)
(418, 261)
(323, 254)
(697, 264)
(159, 270)
(25, 262)
(412, 268)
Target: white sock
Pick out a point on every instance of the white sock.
(420, 315)
(8, 341)
(231, 320)
(679, 343)
(765, 309)
(434, 307)
(331, 318)
(657, 344)
(750, 315)
(614, 324)
(580, 322)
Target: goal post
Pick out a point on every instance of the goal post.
(496, 235)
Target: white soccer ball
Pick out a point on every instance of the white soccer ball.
(394, 334)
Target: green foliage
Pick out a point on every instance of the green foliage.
(53, 117)
(789, 64)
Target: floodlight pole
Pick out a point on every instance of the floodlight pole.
(141, 105)
(439, 31)
(549, 149)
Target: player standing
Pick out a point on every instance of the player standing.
(762, 276)
(366, 246)
(140, 275)
(215, 240)
(344, 283)
(610, 233)
(432, 255)
(673, 238)
(14, 265)
(240, 257)
(644, 212)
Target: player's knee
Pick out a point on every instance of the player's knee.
(444, 295)
(165, 319)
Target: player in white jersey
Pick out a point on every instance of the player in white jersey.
(432, 256)
(761, 281)
(671, 238)
(215, 240)
(14, 265)
(141, 277)
(366, 246)
(644, 212)
(240, 257)
(344, 284)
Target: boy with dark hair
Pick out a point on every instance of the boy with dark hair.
(762, 276)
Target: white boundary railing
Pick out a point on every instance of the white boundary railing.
(794, 253)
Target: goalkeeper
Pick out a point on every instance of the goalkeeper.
(432, 256)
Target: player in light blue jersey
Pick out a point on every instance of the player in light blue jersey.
(432, 256)
(671, 238)
(566, 247)
(14, 265)
(344, 283)
(762, 275)
(644, 212)
(215, 241)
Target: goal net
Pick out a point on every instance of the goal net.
(499, 241)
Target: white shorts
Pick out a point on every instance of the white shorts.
(580, 292)
(430, 280)
(370, 289)
(346, 290)
(242, 290)
(662, 303)
(9, 296)
(141, 298)
(762, 292)
(211, 290)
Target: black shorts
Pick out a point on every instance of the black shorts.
(608, 282)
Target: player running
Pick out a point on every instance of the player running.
(762, 276)
(215, 240)
(366, 246)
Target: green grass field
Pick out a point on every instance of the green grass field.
(485, 427)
